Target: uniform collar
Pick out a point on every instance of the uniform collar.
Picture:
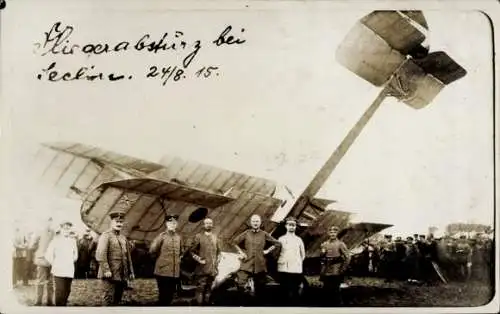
(115, 232)
(255, 230)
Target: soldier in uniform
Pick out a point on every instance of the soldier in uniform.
(478, 265)
(167, 249)
(44, 278)
(20, 265)
(115, 262)
(463, 258)
(335, 260)
(388, 258)
(412, 265)
(85, 247)
(424, 258)
(253, 261)
(400, 257)
(206, 251)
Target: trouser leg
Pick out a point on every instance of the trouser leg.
(289, 284)
(119, 288)
(259, 281)
(171, 289)
(59, 290)
(296, 280)
(41, 281)
(62, 290)
(284, 286)
(50, 287)
(200, 289)
(14, 271)
(208, 290)
(67, 286)
(242, 278)
(204, 289)
(23, 270)
(160, 282)
(166, 289)
(112, 292)
(332, 290)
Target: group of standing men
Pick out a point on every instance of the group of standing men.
(56, 257)
(168, 250)
(415, 258)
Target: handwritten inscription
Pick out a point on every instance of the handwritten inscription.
(58, 43)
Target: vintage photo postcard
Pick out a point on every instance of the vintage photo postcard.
(307, 155)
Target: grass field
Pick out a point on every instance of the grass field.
(361, 292)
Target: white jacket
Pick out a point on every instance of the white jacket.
(292, 254)
(62, 254)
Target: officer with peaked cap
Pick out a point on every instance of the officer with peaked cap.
(335, 258)
(167, 249)
(115, 262)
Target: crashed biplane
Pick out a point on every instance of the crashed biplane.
(107, 181)
(384, 48)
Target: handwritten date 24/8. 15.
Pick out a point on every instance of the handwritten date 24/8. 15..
(175, 73)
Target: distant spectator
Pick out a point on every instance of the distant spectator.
(86, 245)
(19, 261)
(43, 269)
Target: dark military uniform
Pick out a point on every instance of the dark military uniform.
(424, 259)
(412, 262)
(113, 255)
(254, 266)
(463, 259)
(400, 258)
(206, 247)
(335, 260)
(167, 249)
(388, 256)
(85, 247)
(19, 263)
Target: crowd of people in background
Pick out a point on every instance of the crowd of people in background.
(427, 259)
(26, 260)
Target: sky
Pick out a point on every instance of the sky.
(279, 107)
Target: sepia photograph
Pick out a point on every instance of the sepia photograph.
(303, 154)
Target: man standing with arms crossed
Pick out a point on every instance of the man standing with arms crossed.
(206, 251)
(115, 263)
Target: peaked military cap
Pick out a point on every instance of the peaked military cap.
(117, 214)
(171, 217)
